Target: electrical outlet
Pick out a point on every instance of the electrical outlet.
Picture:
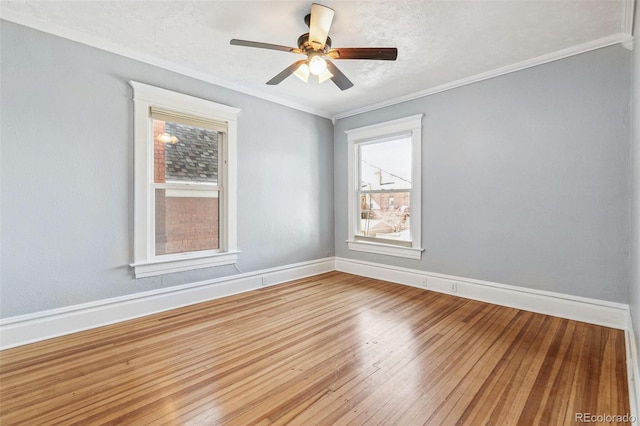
(454, 287)
(264, 281)
(423, 282)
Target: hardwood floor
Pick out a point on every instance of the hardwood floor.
(330, 349)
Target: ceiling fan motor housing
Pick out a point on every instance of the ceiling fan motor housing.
(306, 46)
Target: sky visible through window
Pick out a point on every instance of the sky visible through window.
(386, 165)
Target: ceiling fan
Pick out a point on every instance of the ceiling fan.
(316, 45)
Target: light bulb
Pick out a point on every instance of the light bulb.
(317, 64)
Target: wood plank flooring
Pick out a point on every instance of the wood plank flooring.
(330, 349)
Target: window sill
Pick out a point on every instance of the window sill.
(182, 263)
(386, 249)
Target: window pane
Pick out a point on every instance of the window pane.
(385, 215)
(184, 153)
(186, 220)
(386, 165)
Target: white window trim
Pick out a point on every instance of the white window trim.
(413, 125)
(145, 264)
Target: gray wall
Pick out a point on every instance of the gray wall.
(525, 177)
(525, 181)
(67, 175)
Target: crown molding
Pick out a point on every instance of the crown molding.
(624, 38)
(110, 47)
(550, 57)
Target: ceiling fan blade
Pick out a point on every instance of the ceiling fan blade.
(285, 73)
(338, 78)
(319, 25)
(260, 45)
(376, 53)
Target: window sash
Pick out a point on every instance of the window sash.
(195, 186)
(377, 140)
(221, 142)
(358, 234)
(383, 191)
(187, 191)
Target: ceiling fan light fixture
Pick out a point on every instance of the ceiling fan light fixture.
(302, 72)
(316, 45)
(317, 64)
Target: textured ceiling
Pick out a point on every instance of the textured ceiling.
(438, 41)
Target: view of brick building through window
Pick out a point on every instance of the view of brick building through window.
(186, 220)
(385, 214)
(385, 188)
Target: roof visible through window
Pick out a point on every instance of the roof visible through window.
(194, 157)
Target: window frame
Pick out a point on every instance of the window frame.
(146, 263)
(381, 132)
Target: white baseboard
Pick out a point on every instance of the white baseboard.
(593, 311)
(23, 329)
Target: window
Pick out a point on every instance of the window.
(384, 188)
(185, 208)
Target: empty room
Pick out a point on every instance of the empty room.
(350, 212)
